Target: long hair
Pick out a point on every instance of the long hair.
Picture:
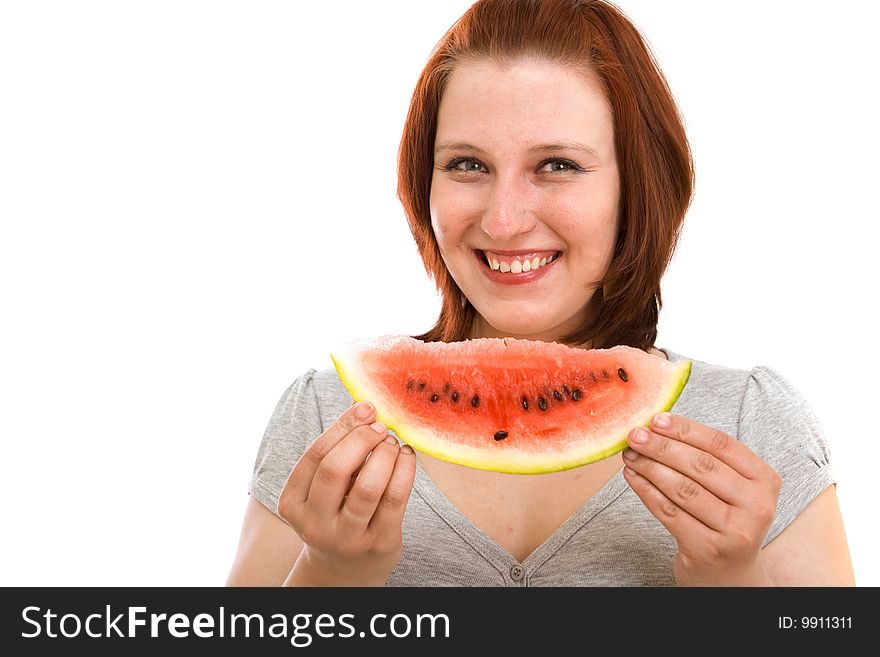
(653, 155)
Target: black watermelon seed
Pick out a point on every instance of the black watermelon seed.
(475, 401)
(525, 403)
(557, 395)
(542, 403)
(500, 435)
(622, 374)
(455, 396)
(421, 386)
(435, 397)
(576, 395)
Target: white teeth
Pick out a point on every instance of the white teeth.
(519, 266)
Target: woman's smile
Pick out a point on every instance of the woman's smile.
(515, 267)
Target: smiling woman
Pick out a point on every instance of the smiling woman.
(545, 174)
(615, 131)
(519, 195)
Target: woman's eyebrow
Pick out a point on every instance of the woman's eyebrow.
(456, 146)
(552, 147)
(565, 146)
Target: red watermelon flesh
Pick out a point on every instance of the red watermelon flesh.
(509, 405)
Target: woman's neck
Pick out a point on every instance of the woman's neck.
(482, 329)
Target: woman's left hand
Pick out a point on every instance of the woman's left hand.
(713, 494)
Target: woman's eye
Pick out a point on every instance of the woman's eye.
(465, 164)
(561, 165)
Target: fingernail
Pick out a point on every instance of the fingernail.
(378, 427)
(363, 411)
(406, 449)
(662, 420)
(629, 471)
(391, 440)
(640, 436)
(629, 455)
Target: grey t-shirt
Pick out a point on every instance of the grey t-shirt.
(612, 539)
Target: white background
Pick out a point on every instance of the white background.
(198, 203)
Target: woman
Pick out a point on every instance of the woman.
(545, 174)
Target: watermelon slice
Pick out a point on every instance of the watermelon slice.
(509, 405)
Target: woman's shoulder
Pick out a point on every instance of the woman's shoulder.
(759, 406)
(758, 382)
(326, 391)
(315, 397)
(330, 390)
(327, 383)
(709, 379)
(735, 399)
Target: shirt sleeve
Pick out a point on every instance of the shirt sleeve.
(779, 425)
(294, 424)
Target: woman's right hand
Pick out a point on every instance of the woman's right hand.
(345, 498)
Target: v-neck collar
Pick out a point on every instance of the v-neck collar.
(490, 549)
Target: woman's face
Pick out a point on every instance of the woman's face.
(524, 194)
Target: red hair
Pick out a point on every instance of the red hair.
(653, 155)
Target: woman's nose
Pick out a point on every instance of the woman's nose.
(508, 211)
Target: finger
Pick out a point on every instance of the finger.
(357, 472)
(367, 490)
(333, 476)
(682, 491)
(710, 472)
(300, 480)
(683, 526)
(352, 479)
(715, 442)
(388, 517)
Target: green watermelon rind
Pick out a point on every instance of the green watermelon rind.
(413, 436)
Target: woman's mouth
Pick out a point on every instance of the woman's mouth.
(517, 267)
(518, 263)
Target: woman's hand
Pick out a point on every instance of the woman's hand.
(346, 498)
(713, 494)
